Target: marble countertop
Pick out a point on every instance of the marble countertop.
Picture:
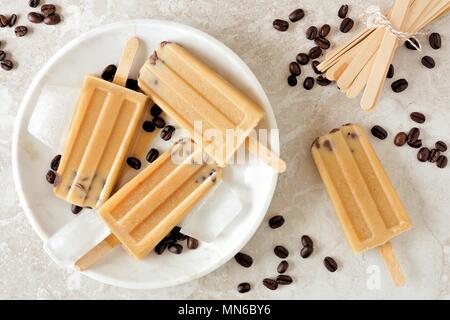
(245, 26)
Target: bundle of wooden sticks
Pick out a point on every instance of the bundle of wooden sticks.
(363, 62)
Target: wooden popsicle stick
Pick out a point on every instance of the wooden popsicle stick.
(387, 253)
(361, 80)
(96, 253)
(432, 17)
(126, 61)
(384, 57)
(429, 14)
(337, 69)
(266, 155)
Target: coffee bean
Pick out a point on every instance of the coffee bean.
(441, 146)
(159, 122)
(391, 72)
(379, 132)
(346, 25)
(276, 222)
(283, 266)
(292, 80)
(415, 144)
(167, 132)
(12, 20)
(413, 135)
(283, 279)
(296, 15)
(2, 55)
(152, 155)
(281, 252)
(161, 247)
(434, 155)
(343, 11)
(132, 84)
(399, 85)
(418, 117)
(48, 9)
(314, 66)
(280, 25)
(21, 31)
(54, 164)
(192, 243)
(315, 52)
(3, 21)
(308, 84)
(400, 139)
(294, 68)
(306, 252)
(270, 284)
(7, 64)
(35, 17)
(302, 58)
(109, 72)
(322, 43)
(34, 3)
(307, 241)
(76, 209)
(423, 155)
(428, 62)
(325, 30)
(175, 248)
(155, 110)
(442, 162)
(148, 126)
(321, 81)
(134, 163)
(51, 176)
(330, 264)
(177, 235)
(311, 33)
(410, 45)
(244, 259)
(244, 287)
(52, 19)
(435, 40)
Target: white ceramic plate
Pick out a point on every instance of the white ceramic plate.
(89, 54)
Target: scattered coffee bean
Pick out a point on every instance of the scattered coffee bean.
(54, 164)
(399, 85)
(315, 52)
(48, 9)
(428, 62)
(21, 31)
(52, 19)
(321, 81)
(283, 279)
(302, 58)
(283, 266)
(7, 64)
(276, 222)
(322, 43)
(155, 110)
(192, 243)
(51, 176)
(76, 209)
(12, 20)
(132, 84)
(434, 155)
(167, 132)
(296, 15)
(308, 84)
(177, 235)
(314, 66)
(2, 55)
(270, 284)
(307, 241)
(244, 259)
(379, 132)
(292, 80)
(148, 126)
(280, 25)
(134, 163)
(161, 247)
(435, 40)
(413, 135)
(400, 139)
(442, 162)
(409, 44)
(159, 122)
(3, 21)
(418, 117)
(311, 33)
(294, 68)
(175, 248)
(152, 155)
(34, 3)
(35, 17)
(109, 72)
(423, 155)
(391, 72)
(415, 144)
(306, 252)
(244, 287)
(330, 264)
(441, 146)
(346, 25)
(324, 30)
(343, 11)
(281, 252)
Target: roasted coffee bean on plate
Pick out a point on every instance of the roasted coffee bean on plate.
(413, 135)
(148, 126)
(306, 252)
(434, 155)
(307, 241)
(50, 176)
(415, 144)
(175, 248)
(276, 221)
(302, 58)
(12, 20)
(423, 155)
(346, 25)
(3, 21)
(155, 110)
(132, 84)
(283, 279)
(308, 84)
(296, 15)
(2, 55)
(76, 209)
(34, 3)
(428, 62)
(270, 284)
(330, 264)
(134, 163)
(311, 33)
(109, 72)
(314, 66)
(292, 80)
(52, 19)
(283, 266)
(152, 155)
(159, 122)
(280, 25)
(391, 71)
(281, 252)
(379, 132)
(244, 287)
(7, 65)
(418, 117)
(343, 11)
(244, 259)
(54, 164)
(435, 40)
(410, 45)
(324, 30)
(167, 133)
(322, 43)
(442, 162)
(48, 9)
(315, 52)
(192, 243)
(441, 146)
(35, 17)
(321, 81)
(21, 31)
(399, 85)
(400, 139)
(294, 68)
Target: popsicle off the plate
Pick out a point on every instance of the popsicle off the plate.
(192, 93)
(363, 196)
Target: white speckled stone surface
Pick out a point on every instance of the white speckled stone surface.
(245, 26)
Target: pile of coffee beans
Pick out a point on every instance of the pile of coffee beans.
(172, 242)
(412, 138)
